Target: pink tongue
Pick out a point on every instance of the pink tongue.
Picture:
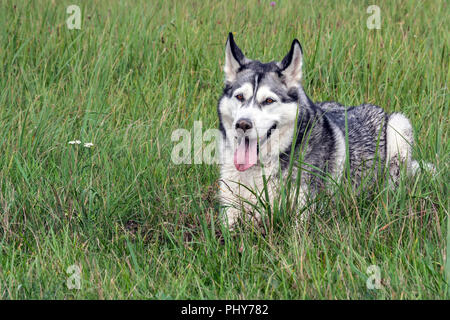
(245, 155)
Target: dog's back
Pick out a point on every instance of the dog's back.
(364, 130)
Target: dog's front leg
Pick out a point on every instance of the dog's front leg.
(304, 210)
(230, 217)
(230, 213)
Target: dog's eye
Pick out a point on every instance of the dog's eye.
(240, 97)
(269, 101)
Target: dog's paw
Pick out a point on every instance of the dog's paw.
(230, 218)
(416, 166)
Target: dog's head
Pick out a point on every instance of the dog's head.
(259, 99)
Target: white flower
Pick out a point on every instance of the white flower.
(75, 142)
(88, 144)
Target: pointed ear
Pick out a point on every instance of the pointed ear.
(234, 59)
(291, 66)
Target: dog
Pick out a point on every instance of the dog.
(270, 129)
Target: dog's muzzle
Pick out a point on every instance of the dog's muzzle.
(247, 151)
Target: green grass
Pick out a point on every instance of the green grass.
(140, 226)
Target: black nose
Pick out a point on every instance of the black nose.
(244, 124)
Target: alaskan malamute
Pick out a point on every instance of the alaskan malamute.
(270, 126)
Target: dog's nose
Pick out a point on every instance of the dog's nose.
(244, 124)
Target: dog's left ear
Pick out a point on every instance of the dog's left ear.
(291, 65)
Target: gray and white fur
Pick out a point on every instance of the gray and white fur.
(264, 108)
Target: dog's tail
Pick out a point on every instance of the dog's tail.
(399, 139)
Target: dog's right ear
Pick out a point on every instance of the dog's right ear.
(291, 66)
(234, 59)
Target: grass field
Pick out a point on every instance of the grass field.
(137, 225)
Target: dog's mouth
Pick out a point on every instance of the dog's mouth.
(246, 154)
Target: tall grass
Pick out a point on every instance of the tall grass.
(139, 226)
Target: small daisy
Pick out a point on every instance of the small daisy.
(75, 142)
(88, 144)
